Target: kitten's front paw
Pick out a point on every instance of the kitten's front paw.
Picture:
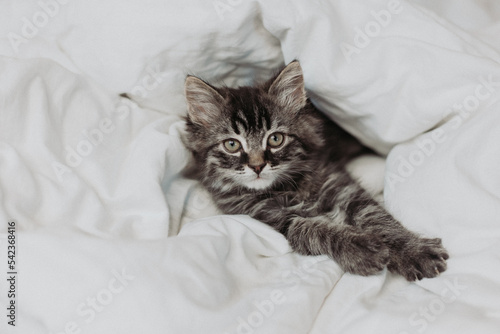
(362, 255)
(420, 258)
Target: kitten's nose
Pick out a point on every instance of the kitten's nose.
(256, 161)
(258, 168)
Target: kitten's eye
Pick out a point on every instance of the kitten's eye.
(232, 145)
(275, 140)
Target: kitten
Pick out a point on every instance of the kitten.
(267, 152)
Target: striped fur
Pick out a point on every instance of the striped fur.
(302, 188)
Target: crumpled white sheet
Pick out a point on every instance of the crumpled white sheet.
(93, 181)
(219, 275)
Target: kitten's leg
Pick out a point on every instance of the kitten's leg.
(355, 251)
(411, 256)
(310, 233)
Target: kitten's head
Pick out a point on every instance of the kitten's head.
(252, 137)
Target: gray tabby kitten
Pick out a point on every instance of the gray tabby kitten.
(267, 152)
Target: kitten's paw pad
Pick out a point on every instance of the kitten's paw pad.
(364, 255)
(421, 258)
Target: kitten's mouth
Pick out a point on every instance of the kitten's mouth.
(259, 182)
(259, 178)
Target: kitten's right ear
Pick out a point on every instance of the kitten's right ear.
(288, 88)
(204, 102)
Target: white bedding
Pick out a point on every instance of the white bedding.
(112, 239)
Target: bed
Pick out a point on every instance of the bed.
(110, 237)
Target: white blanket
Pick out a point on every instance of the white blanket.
(110, 238)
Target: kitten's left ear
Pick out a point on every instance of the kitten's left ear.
(288, 88)
(204, 102)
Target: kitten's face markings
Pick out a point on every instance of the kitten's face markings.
(252, 156)
(245, 136)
